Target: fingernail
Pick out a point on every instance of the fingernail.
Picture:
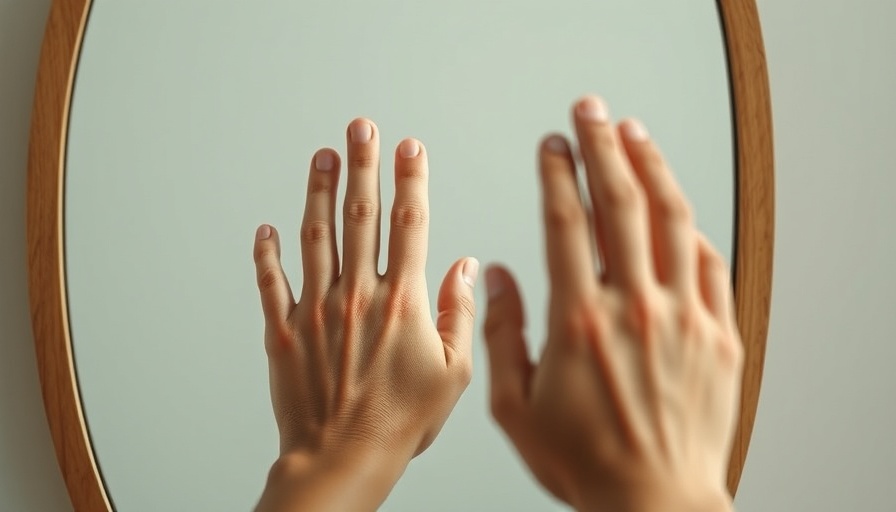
(323, 161)
(470, 271)
(494, 283)
(263, 232)
(635, 130)
(592, 108)
(361, 132)
(409, 148)
(556, 144)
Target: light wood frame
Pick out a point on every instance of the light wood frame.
(752, 265)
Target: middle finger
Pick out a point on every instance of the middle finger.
(616, 197)
(361, 211)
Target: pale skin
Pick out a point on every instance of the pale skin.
(630, 407)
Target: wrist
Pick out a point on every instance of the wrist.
(350, 478)
(657, 497)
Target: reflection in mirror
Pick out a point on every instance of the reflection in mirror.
(193, 122)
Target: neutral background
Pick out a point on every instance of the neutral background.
(822, 439)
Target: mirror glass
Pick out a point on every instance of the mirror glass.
(193, 122)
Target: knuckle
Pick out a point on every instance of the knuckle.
(564, 215)
(410, 171)
(621, 194)
(466, 306)
(315, 321)
(356, 303)
(688, 322)
(401, 303)
(265, 252)
(570, 325)
(409, 215)
(316, 187)
(360, 212)
(363, 160)
(652, 159)
(672, 205)
(315, 231)
(731, 352)
(268, 278)
(281, 340)
(644, 314)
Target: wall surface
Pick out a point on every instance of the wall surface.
(824, 432)
(29, 477)
(823, 435)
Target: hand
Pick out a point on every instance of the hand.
(361, 378)
(633, 403)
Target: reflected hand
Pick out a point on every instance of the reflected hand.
(361, 378)
(633, 403)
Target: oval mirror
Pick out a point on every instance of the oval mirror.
(165, 132)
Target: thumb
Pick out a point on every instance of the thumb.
(457, 309)
(509, 366)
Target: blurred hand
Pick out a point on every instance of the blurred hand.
(633, 403)
(361, 377)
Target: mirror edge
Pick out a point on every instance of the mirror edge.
(46, 258)
(755, 213)
(752, 265)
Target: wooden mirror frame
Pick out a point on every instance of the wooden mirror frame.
(751, 265)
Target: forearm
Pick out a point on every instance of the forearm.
(357, 481)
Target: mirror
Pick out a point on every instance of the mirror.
(190, 123)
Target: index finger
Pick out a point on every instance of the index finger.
(571, 261)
